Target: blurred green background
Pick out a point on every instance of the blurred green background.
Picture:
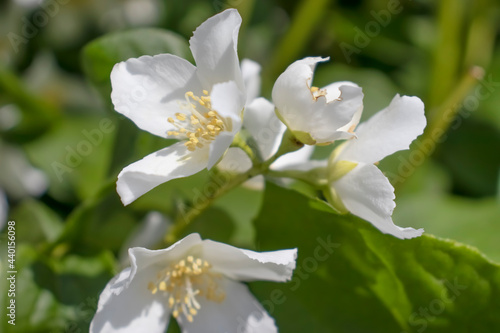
(62, 145)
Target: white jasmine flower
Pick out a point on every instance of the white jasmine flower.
(169, 97)
(314, 115)
(356, 184)
(197, 282)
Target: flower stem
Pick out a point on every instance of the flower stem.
(224, 185)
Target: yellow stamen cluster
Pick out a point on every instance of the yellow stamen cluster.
(200, 125)
(183, 281)
(317, 93)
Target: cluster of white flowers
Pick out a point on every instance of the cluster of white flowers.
(205, 107)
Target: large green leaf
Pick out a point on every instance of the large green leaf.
(352, 278)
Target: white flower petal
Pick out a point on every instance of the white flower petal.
(387, 132)
(218, 147)
(228, 100)
(214, 47)
(142, 258)
(235, 161)
(175, 161)
(320, 116)
(367, 193)
(291, 94)
(297, 160)
(240, 264)
(146, 89)
(132, 309)
(239, 312)
(333, 89)
(264, 126)
(250, 71)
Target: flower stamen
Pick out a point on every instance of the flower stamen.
(183, 282)
(200, 125)
(317, 93)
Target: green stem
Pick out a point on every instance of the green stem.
(240, 143)
(184, 219)
(446, 113)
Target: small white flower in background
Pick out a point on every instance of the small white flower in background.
(169, 97)
(314, 115)
(356, 184)
(197, 282)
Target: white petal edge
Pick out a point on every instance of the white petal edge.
(238, 312)
(229, 102)
(367, 193)
(264, 126)
(175, 161)
(146, 89)
(133, 309)
(141, 258)
(214, 47)
(246, 265)
(388, 131)
(250, 71)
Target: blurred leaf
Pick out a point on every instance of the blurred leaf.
(36, 114)
(74, 155)
(213, 224)
(468, 154)
(242, 205)
(73, 278)
(36, 222)
(352, 278)
(101, 223)
(100, 55)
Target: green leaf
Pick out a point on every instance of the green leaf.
(36, 222)
(74, 155)
(352, 278)
(100, 55)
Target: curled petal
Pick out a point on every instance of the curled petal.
(214, 45)
(367, 193)
(246, 265)
(175, 161)
(387, 132)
